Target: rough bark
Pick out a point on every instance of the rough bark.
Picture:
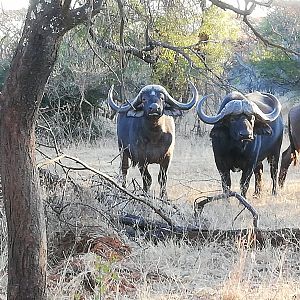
(46, 22)
(21, 96)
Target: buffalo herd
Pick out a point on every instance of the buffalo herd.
(246, 130)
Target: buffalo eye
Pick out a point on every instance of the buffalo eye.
(251, 119)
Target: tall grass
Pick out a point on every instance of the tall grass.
(78, 211)
(179, 270)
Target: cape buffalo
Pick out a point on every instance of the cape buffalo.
(291, 153)
(247, 129)
(146, 131)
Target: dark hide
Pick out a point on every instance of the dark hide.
(146, 135)
(242, 142)
(292, 152)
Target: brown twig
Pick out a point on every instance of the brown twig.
(200, 205)
(266, 41)
(109, 179)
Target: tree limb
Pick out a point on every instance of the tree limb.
(158, 231)
(246, 12)
(112, 181)
(243, 12)
(199, 205)
(266, 41)
(148, 58)
(81, 14)
(66, 5)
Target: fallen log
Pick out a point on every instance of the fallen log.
(159, 231)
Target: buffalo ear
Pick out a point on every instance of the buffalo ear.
(173, 112)
(261, 128)
(135, 113)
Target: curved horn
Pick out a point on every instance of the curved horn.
(233, 107)
(205, 118)
(243, 106)
(124, 107)
(276, 105)
(184, 106)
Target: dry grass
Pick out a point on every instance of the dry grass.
(175, 270)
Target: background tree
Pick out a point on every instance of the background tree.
(282, 27)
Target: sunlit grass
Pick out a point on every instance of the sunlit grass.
(177, 269)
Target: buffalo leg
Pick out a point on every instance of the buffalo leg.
(286, 160)
(273, 160)
(226, 181)
(162, 178)
(124, 167)
(258, 171)
(147, 180)
(245, 181)
(273, 170)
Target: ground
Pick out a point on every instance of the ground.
(179, 270)
(92, 258)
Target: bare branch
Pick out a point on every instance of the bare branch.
(103, 61)
(246, 12)
(266, 41)
(109, 179)
(66, 5)
(243, 12)
(82, 14)
(148, 58)
(242, 200)
(263, 3)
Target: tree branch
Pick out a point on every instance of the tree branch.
(109, 179)
(246, 12)
(266, 41)
(243, 12)
(66, 5)
(81, 14)
(148, 58)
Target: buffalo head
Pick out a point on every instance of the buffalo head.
(152, 102)
(243, 115)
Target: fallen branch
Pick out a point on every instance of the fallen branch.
(158, 231)
(198, 206)
(110, 180)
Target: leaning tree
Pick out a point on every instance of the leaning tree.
(46, 23)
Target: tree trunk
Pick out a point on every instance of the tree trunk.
(46, 23)
(27, 249)
(20, 99)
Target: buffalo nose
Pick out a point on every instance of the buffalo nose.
(154, 107)
(244, 135)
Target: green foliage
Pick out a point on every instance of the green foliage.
(282, 27)
(275, 65)
(223, 31)
(104, 275)
(196, 34)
